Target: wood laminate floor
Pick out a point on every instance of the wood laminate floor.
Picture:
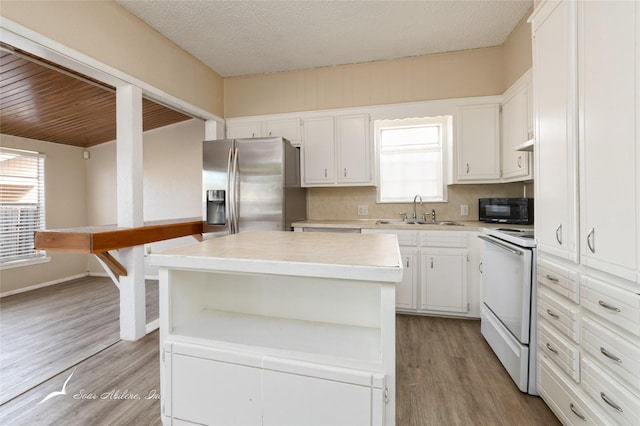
(45, 331)
(446, 375)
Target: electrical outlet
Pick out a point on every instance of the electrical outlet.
(363, 210)
(464, 210)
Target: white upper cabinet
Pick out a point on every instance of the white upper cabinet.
(288, 128)
(243, 129)
(354, 149)
(554, 52)
(609, 138)
(318, 152)
(516, 130)
(478, 144)
(337, 151)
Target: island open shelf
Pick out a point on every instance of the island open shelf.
(300, 314)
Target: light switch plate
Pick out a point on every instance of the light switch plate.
(363, 210)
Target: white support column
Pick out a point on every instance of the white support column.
(213, 130)
(130, 214)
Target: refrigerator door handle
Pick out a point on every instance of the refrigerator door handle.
(235, 199)
(229, 201)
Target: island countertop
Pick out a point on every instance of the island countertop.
(348, 256)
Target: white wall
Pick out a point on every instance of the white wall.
(65, 188)
(172, 161)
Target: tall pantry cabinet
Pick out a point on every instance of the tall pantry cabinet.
(587, 101)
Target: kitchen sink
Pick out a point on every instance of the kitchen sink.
(416, 222)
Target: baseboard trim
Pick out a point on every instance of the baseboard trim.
(152, 326)
(41, 285)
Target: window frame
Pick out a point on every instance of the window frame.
(20, 256)
(445, 123)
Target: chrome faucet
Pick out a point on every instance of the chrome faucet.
(415, 216)
(433, 216)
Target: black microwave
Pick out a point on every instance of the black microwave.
(506, 210)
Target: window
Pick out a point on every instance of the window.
(21, 204)
(412, 158)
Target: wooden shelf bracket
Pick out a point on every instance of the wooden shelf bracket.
(112, 265)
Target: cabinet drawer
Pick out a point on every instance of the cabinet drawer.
(560, 350)
(562, 280)
(612, 397)
(559, 312)
(616, 353)
(444, 238)
(407, 238)
(564, 398)
(612, 303)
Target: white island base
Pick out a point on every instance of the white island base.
(279, 328)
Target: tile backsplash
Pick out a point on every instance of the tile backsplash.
(342, 203)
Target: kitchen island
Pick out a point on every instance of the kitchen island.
(279, 328)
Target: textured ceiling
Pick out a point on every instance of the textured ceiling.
(253, 37)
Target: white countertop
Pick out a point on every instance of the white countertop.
(349, 256)
(467, 225)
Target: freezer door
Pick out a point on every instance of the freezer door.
(260, 184)
(215, 163)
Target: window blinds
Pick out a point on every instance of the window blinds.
(21, 203)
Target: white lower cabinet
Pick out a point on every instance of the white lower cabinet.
(441, 272)
(612, 397)
(565, 398)
(406, 291)
(212, 387)
(220, 387)
(444, 280)
(317, 396)
(588, 352)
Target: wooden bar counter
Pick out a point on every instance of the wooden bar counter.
(96, 239)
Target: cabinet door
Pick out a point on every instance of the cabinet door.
(244, 130)
(515, 164)
(288, 128)
(208, 391)
(318, 152)
(478, 143)
(609, 135)
(444, 280)
(296, 399)
(353, 149)
(406, 290)
(555, 149)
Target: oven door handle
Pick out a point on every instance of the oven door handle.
(501, 245)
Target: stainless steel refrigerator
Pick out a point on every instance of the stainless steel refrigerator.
(251, 184)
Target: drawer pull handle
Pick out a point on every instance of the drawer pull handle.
(559, 234)
(612, 404)
(610, 355)
(608, 306)
(552, 279)
(580, 416)
(555, 351)
(552, 315)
